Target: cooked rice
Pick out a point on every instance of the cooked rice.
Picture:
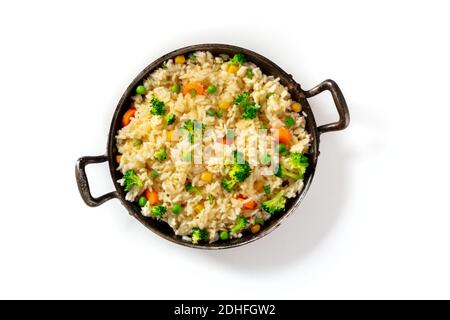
(221, 212)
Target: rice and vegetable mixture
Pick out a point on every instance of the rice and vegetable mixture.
(212, 146)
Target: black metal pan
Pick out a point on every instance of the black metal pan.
(268, 67)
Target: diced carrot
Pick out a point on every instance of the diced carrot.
(152, 196)
(282, 135)
(250, 205)
(241, 196)
(127, 116)
(193, 86)
(224, 140)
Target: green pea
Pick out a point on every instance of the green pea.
(142, 201)
(176, 208)
(154, 174)
(267, 189)
(249, 73)
(219, 114)
(137, 142)
(281, 148)
(193, 93)
(211, 112)
(266, 158)
(141, 90)
(176, 88)
(224, 235)
(211, 89)
(186, 156)
(289, 121)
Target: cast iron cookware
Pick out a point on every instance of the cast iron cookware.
(267, 67)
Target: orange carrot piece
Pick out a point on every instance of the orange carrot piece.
(152, 196)
(250, 205)
(193, 86)
(127, 116)
(241, 196)
(282, 135)
(226, 141)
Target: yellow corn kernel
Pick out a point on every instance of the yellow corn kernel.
(180, 59)
(232, 68)
(258, 185)
(206, 176)
(199, 208)
(255, 228)
(118, 157)
(224, 104)
(297, 107)
(169, 135)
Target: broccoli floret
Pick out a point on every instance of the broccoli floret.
(199, 235)
(239, 58)
(259, 221)
(192, 57)
(158, 211)
(249, 108)
(170, 119)
(190, 127)
(276, 204)
(243, 99)
(240, 224)
(240, 170)
(229, 184)
(283, 173)
(250, 111)
(299, 161)
(131, 179)
(299, 164)
(157, 107)
(161, 154)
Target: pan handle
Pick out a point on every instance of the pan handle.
(339, 101)
(83, 184)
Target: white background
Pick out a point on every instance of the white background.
(375, 223)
